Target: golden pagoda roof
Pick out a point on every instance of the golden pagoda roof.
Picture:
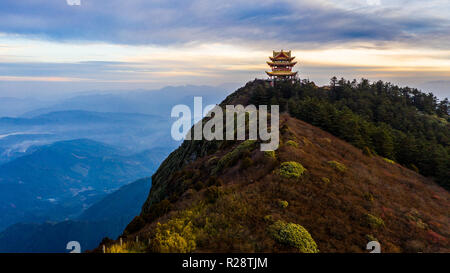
(282, 55)
(281, 73)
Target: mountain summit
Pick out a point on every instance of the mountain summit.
(357, 162)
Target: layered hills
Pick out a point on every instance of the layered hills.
(58, 181)
(106, 218)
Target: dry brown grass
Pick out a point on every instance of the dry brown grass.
(334, 213)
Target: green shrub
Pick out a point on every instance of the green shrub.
(291, 169)
(246, 145)
(293, 235)
(388, 160)
(292, 143)
(370, 237)
(230, 158)
(414, 216)
(283, 203)
(337, 166)
(420, 224)
(268, 218)
(127, 247)
(175, 236)
(325, 180)
(270, 154)
(368, 196)
(285, 129)
(373, 221)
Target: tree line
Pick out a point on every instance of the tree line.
(400, 123)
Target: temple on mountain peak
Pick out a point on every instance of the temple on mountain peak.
(281, 64)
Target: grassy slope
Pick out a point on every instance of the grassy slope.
(413, 208)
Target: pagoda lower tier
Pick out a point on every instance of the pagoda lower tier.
(281, 73)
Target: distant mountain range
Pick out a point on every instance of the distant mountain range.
(58, 181)
(153, 102)
(13, 107)
(157, 102)
(134, 132)
(106, 218)
(135, 120)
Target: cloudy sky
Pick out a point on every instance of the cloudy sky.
(51, 46)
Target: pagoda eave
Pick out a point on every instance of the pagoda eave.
(281, 64)
(281, 73)
(281, 58)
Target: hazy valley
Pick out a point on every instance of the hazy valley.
(65, 163)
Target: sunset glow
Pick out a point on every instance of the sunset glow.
(418, 54)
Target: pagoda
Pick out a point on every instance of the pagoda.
(281, 64)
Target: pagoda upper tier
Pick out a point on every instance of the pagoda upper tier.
(281, 64)
(282, 56)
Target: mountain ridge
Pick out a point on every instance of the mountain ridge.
(342, 196)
